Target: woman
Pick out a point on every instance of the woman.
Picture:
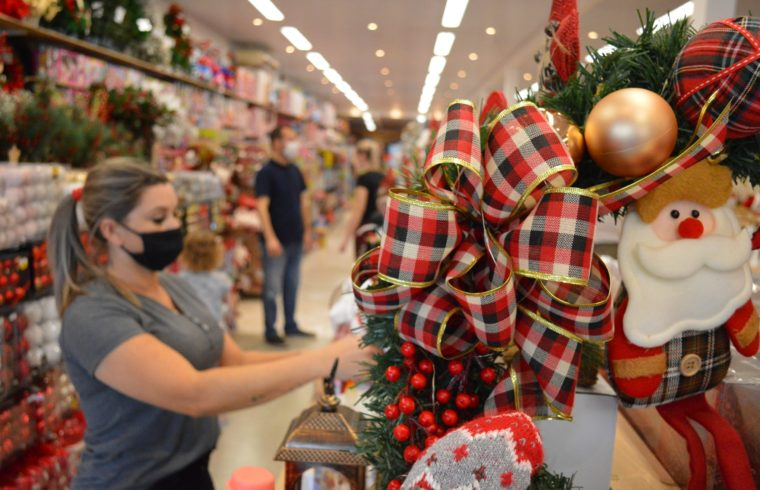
(364, 208)
(151, 365)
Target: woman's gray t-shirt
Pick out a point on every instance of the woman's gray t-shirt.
(130, 444)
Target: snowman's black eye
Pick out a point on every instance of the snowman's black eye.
(694, 213)
(675, 214)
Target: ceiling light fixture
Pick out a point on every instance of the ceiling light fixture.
(462, 74)
(290, 49)
(335, 90)
(473, 56)
(372, 26)
(257, 21)
(454, 86)
(318, 61)
(396, 113)
(296, 38)
(527, 77)
(379, 53)
(437, 64)
(388, 83)
(453, 13)
(432, 80)
(385, 71)
(681, 12)
(443, 43)
(344, 87)
(310, 68)
(268, 9)
(490, 31)
(593, 35)
(354, 112)
(421, 118)
(324, 81)
(333, 76)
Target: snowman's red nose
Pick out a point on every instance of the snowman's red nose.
(691, 228)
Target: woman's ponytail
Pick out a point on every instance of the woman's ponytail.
(66, 253)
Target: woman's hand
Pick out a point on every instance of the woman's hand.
(350, 354)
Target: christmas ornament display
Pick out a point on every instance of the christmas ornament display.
(568, 132)
(30, 194)
(43, 331)
(631, 132)
(722, 59)
(500, 451)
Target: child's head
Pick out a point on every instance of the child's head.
(203, 251)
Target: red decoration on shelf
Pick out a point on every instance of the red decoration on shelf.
(394, 485)
(411, 454)
(18, 9)
(426, 418)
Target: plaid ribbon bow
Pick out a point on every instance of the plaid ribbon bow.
(498, 250)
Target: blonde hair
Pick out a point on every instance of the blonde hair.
(203, 251)
(112, 190)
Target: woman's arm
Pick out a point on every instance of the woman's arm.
(358, 206)
(233, 355)
(148, 370)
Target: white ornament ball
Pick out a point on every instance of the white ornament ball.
(35, 356)
(52, 330)
(33, 312)
(35, 335)
(53, 353)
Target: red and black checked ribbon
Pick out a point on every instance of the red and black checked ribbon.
(499, 250)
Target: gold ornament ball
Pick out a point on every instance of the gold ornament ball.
(631, 132)
(567, 131)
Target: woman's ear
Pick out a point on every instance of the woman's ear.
(110, 231)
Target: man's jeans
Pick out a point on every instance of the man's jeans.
(281, 275)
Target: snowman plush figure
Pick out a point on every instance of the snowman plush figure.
(684, 261)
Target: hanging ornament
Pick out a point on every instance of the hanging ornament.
(630, 132)
(723, 59)
(568, 132)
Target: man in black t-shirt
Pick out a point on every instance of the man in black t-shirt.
(286, 231)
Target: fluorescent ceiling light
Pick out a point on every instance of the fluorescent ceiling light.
(333, 76)
(437, 64)
(443, 43)
(268, 9)
(604, 50)
(431, 80)
(144, 25)
(319, 61)
(423, 108)
(421, 118)
(678, 13)
(296, 38)
(343, 86)
(370, 126)
(453, 13)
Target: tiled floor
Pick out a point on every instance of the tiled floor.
(250, 437)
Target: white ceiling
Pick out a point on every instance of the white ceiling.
(407, 30)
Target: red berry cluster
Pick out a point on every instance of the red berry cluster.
(422, 414)
(42, 275)
(14, 279)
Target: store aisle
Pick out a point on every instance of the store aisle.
(250, 437)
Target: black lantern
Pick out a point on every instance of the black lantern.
(321, 443)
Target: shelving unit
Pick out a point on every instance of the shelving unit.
(14, 27)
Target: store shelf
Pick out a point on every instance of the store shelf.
(17, 27)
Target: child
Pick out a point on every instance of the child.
(201, 261)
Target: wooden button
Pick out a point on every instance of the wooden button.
(690, 365)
